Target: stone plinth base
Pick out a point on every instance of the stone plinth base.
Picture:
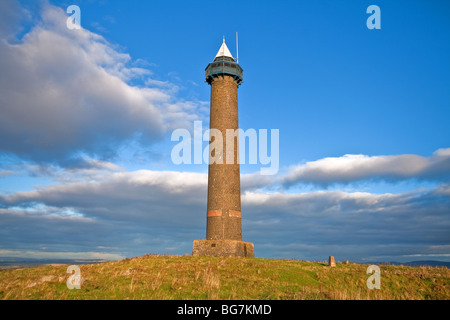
(223, 248)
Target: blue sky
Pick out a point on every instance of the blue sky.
(87, 115)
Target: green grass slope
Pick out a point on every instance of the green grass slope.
(186, 277)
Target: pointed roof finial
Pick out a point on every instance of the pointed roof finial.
(223, 51)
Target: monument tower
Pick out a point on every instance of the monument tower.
(224, 227)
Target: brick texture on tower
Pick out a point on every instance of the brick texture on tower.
(224, 226)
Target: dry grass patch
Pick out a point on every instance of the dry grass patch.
(185, 277)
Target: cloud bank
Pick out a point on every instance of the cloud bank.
(133, 213)
(350, 168)
(64, 92)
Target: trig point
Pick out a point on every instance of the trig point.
(224, 227)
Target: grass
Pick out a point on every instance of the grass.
(186, 277)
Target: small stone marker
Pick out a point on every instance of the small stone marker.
(346, 262)
(331, 261)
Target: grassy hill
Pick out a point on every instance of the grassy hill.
(186, 277)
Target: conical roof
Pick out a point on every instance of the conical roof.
(223, 51)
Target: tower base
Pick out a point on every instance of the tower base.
(223, 248)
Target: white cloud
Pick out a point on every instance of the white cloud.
(65, 91)
(141, 195)
(443, 190)
(34, 254)
(5, 173)
(153, 211)
(350, 168)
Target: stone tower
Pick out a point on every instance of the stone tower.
(224, 228)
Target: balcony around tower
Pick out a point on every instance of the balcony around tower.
(221, 66)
